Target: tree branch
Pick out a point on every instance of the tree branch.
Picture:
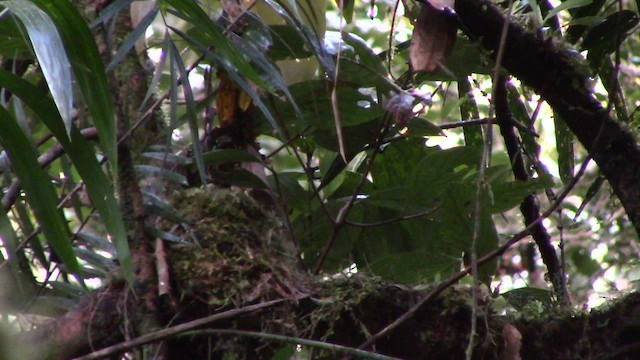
(549, 70)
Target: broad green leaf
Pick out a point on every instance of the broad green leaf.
(519, 298)
(414, 267)
(438, 172)
(88, 69)
(365, 54)
(50, 52)
(82, 155)
(314, 231)
(38, 187)
(286, 185)
(313, 36)
(510, 193)
(394, 166)
(287, 44)
(421, 127)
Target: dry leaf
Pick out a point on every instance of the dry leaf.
(433, 37)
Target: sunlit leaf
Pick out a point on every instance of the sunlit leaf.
(88, 69)
(50, 52)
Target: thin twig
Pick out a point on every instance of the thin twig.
(391, 221)
(295, 341)
(175, 330)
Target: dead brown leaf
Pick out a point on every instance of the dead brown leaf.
(433, 37)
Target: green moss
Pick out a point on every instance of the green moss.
(239, 252)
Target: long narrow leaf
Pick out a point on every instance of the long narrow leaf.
(88, 70)
(130, 41)
(50, 53)
(38, 188)
(176, 61)
(82, 155)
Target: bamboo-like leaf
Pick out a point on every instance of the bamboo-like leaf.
(50, 53)
(130, 41)
(38, 188)
(157, 74)
(178, 64)
(82, 155)
(237, 78)
(566, 5)
(111, 11)
(88, 70)
(192, 12)
(158, 172)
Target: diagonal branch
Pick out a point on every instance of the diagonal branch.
(529, 207)
(549, 69)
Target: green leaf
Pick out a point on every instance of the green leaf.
(287, 44)
(82, 155)
(242, 178)
(286, 184)
(420, 127)
(155, 205)
(315, 230)
(365, 54)
(569, 4)
(158, 172)
(50, 53)
(414, 267)
(193, 13)
(192, 117)
(238, 79)
(519, 298)
(605, 34)
(38, 188)
(508, 194)
(132, 38)
(438, 172)
(12, 41)
(88, 69)
(469, 110)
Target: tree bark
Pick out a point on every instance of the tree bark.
(550, 70)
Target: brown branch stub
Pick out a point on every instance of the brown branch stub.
(549, 69)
